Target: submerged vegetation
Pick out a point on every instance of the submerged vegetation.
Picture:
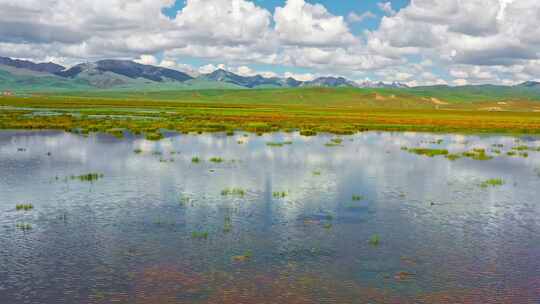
(248, 254)
(24, 226)
(279, 144)
(24, 207)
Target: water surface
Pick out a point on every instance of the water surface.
(158, 229)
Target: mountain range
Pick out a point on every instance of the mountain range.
(26, 76)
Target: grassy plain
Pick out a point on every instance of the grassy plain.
(311, 110)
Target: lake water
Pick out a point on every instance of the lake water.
(160, 228)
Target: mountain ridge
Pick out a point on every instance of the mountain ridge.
(126, 74)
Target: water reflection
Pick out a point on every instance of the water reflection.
(129, 236)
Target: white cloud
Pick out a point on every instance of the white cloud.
(355, 18)
(147, 59)
(301, 23)
(386, 7)
(427, 41)
(301, 77)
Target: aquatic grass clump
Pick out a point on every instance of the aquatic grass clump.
(137, 151)
(337, 140)
(201, 235)
(332, 144)
(428, 152)
(375, 240)
(195, 160)
(279, 144)
(357, 198)
(317, 173)
(477, 154)
(216, 160)
(521, 148)
(248, 254)
(227, 224)
(453, 157)
(154, 136)
(233, 192)
(278, 194)
(492, 182)
(90, 177)
(24, 226)
(308, 133)
(24, 207)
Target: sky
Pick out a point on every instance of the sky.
(417, 42)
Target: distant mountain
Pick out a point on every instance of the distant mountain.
(245, 81)
(28, 65)
(333, 82)
(127, 69)
(529, 84)
(381, 85)
(27, 76)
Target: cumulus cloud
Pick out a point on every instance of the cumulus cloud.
(301, 23)
(386, 7)
(355, 18)
(425, 42)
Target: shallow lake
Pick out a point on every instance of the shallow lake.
(278, 218)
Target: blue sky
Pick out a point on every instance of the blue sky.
(417, 42)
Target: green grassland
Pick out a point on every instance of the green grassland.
(310, 110)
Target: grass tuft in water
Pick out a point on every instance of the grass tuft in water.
(154, 136)
(428, 152)
(278, 144)
(201, 235)
(375, 240)
(137, 151)
(278, 194)
(308, 133)
(357, 198)
(493, 182)
(195, 160)
(24, 207)
(227, 224)
(89, 177)
(233, 192)
(216, 160)
(248, 254)
(453, 157)
(24, 226)
(477, 154)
